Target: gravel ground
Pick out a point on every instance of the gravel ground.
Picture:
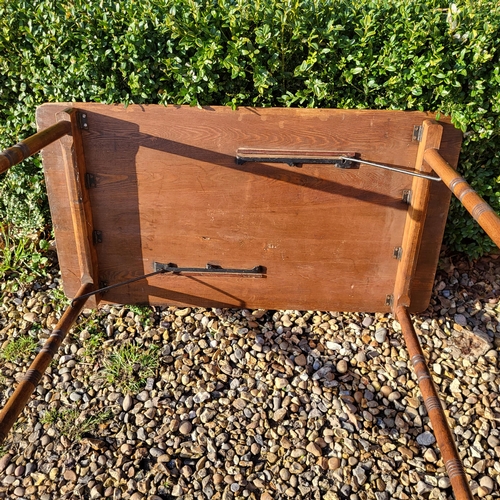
(157, 403)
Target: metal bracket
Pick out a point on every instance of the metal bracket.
(389, 300)
(397, 253)
(82, 120)
(96, 236)
(209, 269)
(417, 133)
(294, 158)
(90, 181)
(406, 196)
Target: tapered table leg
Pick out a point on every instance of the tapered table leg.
(26, 387)
(436, 413)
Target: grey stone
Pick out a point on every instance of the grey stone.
(423, 488)
(460, 319)
(367, 321)
(360, 474)
(426, 439)
(381, 335)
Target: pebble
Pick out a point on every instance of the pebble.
(334, 463)
(31, 317)
(4, 461)
(128, 403)
(426, 439)
(176, 491)
(70, 475)
(300, 360)
(381, 335)
(314, 449)
(360, 475)
(487, 484)
(342, 366)
(185, 427)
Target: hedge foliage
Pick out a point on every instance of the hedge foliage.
(382, 54)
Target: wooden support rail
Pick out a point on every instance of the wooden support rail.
(26, 387)
(442, 430)
(24, 149)
(415, 219)
(475, 205)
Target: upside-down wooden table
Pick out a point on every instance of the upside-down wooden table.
(316, 209)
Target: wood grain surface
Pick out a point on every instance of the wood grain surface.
(169, 190)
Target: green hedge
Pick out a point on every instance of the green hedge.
(400, 54)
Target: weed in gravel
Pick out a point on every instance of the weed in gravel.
(93, 344)
(140, 310)
(19, 349)
(71, 423)
(144, 312)
(130, 366)
(59, 299)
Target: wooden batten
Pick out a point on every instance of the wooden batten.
(81, 213)
(416, 216)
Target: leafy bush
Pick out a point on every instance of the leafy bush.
(380, 54)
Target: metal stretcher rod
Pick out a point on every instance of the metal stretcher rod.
(475, 205)
(440, 425)
(26, 387)
(24, 149)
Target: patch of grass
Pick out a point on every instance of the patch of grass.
(140, 310)
(21, 260)
(72, 424)
(18, 349)
(3, 451)
(130, 366)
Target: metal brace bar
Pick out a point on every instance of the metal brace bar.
(396, 169)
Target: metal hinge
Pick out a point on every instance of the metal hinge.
(417, 133)
(96, 236)
(389, 300)
(82, 121)
(406, 196)
(90, 181)
(397, 253)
